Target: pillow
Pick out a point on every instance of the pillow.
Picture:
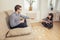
(3, 26)
(19, 31)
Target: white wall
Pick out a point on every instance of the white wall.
(58, 8)
(58, 5)
(53, 3)
(43, 8)
(9, 4)
(43, 12)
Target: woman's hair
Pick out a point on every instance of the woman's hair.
(51, 14)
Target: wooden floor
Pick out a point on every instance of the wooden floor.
(43, 33)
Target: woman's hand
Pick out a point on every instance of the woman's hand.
(47, 22)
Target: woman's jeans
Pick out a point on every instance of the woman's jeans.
(47, 25)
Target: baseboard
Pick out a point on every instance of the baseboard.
(56, 21)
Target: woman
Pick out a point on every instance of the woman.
(48, 21)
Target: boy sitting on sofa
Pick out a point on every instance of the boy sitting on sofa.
(17, 20)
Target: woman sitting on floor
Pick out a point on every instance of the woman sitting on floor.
(48, 21)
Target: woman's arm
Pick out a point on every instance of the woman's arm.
(50, 21)
(44, 21)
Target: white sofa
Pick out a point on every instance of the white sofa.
(8, 34)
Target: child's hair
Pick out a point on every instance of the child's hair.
(51, 14)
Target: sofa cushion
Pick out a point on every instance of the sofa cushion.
(3, 25)
(26, 37)
(19, 31)
(9, 12)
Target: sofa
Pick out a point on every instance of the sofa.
(14, 34)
